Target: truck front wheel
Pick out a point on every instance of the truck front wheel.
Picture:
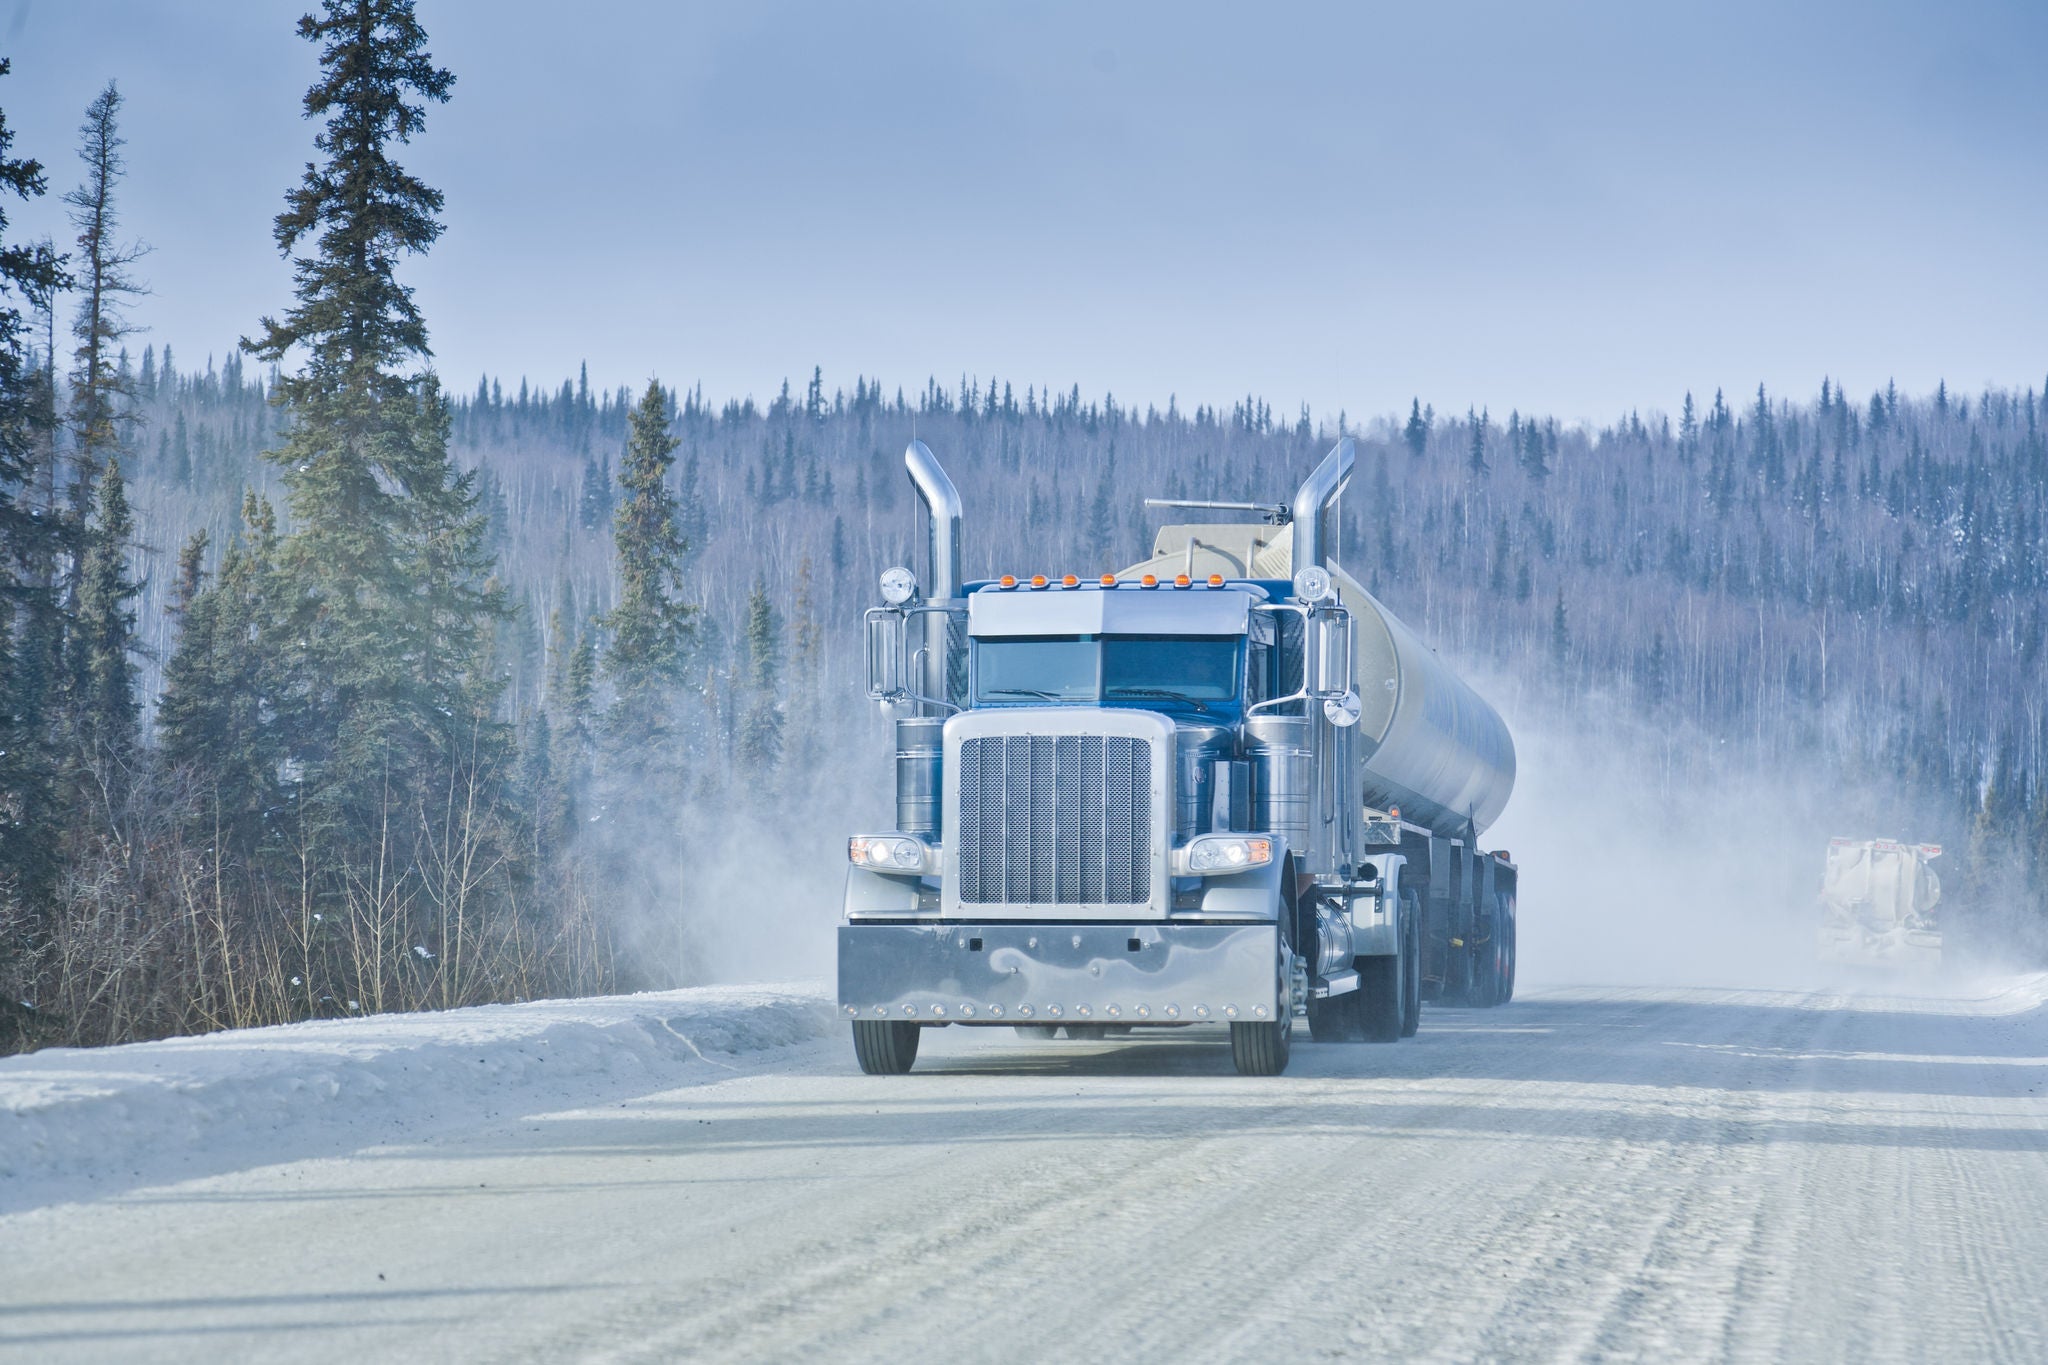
(1261, 1048)
(885, 1047)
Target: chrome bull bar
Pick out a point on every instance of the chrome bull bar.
(1061, 973)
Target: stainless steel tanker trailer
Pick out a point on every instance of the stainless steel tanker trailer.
(1223, 787)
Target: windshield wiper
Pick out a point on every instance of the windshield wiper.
(1038, 692)
(1163, 693)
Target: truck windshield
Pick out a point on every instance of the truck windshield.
(1185, 670)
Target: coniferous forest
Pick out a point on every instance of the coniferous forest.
(330, 685)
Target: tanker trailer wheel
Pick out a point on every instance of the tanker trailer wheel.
(885, 1047)
(1260, 1048)
(1508, 948)
(1411, 970)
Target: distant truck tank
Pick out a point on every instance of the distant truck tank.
(1877, 904)
(1225, 786)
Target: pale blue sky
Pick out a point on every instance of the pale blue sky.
(1572, 208)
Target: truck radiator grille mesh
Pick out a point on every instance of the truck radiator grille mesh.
(1055, 820)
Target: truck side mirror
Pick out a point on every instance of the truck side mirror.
(885, 650)
(1329, 655)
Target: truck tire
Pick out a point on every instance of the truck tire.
(1507, 990)
(1261, 1048)
(1411, 972)
(885, 1047)
(1380, 1006)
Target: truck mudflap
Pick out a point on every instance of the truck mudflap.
(1010, 973)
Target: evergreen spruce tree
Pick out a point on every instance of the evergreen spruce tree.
(107, 713)
(1416, 433)
(384, 646)
(760, 738)
(650, 628)
(211, 716)
(102, 393)
(30, 276)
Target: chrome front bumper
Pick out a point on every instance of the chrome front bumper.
(1063, 973)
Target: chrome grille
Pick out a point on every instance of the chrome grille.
(1054, 820)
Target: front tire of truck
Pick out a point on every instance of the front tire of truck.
(885, 1047)
(1262, 1048)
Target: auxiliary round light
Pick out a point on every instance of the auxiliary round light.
(1312, 584)
(899, 585)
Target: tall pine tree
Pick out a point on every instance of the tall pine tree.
(30, 276)
(651, 626)
(101, 390)
(383, 646)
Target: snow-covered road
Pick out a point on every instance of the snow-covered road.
(1586, 1174)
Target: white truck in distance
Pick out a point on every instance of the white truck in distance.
(1877, 904)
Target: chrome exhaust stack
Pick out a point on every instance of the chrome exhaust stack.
(1313, 502)
(943, 579)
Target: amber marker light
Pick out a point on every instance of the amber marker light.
(1148, 581)
(1180, 580)
(1070, 582)
(1038, 580)
(1008, 580)
(1109, 580)
(1215, 580)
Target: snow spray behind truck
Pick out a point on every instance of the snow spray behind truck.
(1226, 786)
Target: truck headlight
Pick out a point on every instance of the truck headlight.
(1217, 853)
(890, 853)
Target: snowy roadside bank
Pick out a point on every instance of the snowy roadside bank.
(79, 1121)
